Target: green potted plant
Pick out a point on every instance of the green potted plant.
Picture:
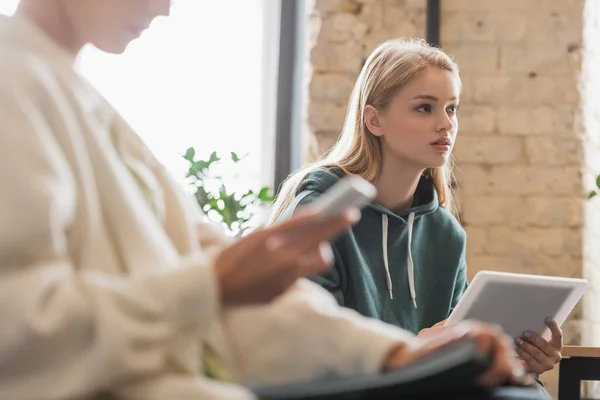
(235, 210)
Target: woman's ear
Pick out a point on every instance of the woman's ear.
(372, 120)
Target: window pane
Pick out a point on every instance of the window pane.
(196, 79)
(8, 7)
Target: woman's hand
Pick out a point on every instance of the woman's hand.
(262, 265)
(538, 354)
(505, 367)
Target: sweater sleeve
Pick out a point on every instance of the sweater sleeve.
(71, 331)
(304, 335)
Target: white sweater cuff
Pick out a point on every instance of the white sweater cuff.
(193, 297)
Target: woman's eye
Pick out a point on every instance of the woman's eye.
(424, 108)
(453, 109)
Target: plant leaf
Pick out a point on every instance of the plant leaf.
(190, 153)
(265, 196)
(592, 194)
(213, 158)
(235, 157)
(202, 197)
(200, 167)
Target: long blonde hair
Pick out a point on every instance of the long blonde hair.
(358, 152)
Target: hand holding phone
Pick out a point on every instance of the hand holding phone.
(352, 192)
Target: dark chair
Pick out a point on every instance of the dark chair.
(578, 364)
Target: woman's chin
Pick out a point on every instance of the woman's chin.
(439, 160)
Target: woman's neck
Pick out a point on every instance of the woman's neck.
(50, 17)
(397, 183)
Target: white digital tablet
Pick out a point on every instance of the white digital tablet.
(518, 302)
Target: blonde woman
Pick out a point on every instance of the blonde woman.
(404, 262)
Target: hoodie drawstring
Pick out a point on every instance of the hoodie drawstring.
(384, 231)
(409, 259)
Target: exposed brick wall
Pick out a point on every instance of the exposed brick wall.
(529, 135)
(347, 31)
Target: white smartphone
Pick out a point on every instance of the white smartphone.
(349, 192)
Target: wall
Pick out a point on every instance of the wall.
(529, 136)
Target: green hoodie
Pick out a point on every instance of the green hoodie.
(407, 269)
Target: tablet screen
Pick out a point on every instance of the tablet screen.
(518, 307)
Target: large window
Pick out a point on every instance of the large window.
(204, 77)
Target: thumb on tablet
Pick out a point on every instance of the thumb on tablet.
(556, 340)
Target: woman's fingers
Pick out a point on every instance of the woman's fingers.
(264, 264)
(316, 261)
(302, 239)
(531, 363)
(557, 334)
(302, 232)
(539, 342)
(305, 221)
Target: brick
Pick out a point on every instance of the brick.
(536, 264)
(535, 180)
(474, 58)
(400, 24)
(531, 6)
(476, 239)
(413, 4)
(474, 119)
(489, 149)
(482, 27)
(572, 330)
(554, 212)
(555, 27)
(549, 90)
(339, 6)
(326, 116)
(472, 179)
(577, 312)
(556, 242)
(521, 89)
(334, 87)
(341, 28)
(326, 140)
(480, 210)
(336, 57)
(554, 152)
(466, 93)
(531, 57)
(490, 88)
(397, 17)
(487, 211)
(547, 121)
(372, 14)
(310, 145)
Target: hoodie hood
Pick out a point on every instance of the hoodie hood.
(425, 202)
